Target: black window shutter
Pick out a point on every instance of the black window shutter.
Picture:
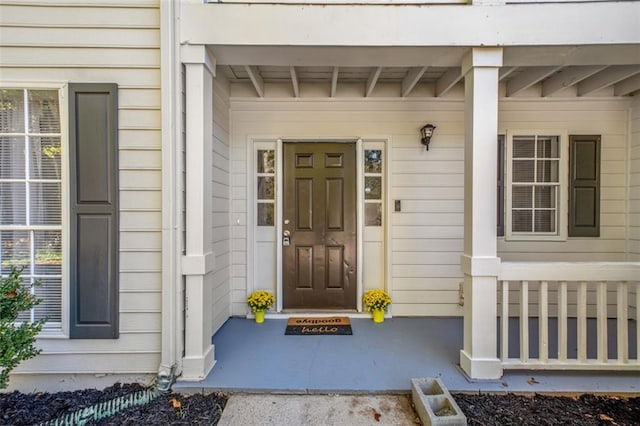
(93, 197)
(500, 222)
(584, 186)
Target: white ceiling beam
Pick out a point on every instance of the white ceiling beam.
(447, 81)
(606, 78)
(627, 86)
(294, 82)
(505, 72)
(371, 82)
(528, 78)
(334, 81)
(567, 78)
(412, 78)
(256, 79)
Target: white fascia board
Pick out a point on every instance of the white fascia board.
(449, 25)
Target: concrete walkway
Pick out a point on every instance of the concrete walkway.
(310, 410)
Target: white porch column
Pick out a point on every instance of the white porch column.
(199, 260)
(480, 263)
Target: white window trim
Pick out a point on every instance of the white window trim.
(63, 95)
(563, 196)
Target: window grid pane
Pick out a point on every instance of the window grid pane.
(30, 195)
(535, 181)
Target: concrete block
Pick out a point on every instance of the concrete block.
(434, 403)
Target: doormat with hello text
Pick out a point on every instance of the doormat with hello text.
(327, 326)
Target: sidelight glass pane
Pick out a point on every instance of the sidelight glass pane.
(266, 161)
(266, 188)
(372, 188)
(373, 161)
(373, 214)
(266, 216)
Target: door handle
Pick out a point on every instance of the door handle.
(286, 238)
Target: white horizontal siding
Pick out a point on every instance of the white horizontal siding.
(427, 236)
(115, 42)
(221, 279)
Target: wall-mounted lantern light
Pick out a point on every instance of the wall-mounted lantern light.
(427, 132)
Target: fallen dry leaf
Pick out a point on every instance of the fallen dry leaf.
(532, 380)
(376, 415)
(606, 418)
(175, 403)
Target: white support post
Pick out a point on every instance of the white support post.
(199, 260)
(480, 264)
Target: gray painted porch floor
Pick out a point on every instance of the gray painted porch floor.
(376, 358)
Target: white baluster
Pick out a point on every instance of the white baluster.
(582, 321)
(524, 322)
(504, 327)
(601, 306)
(543, 322)
(562, 321)
(622, 319)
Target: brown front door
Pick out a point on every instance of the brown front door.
(319, 220)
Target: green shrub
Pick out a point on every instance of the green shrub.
(16, 339)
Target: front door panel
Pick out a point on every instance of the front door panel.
(319, 270)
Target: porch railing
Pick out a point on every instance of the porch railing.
(569, 315)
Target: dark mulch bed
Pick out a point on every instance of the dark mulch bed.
(584, 410)
(177, 409)
(171, 409)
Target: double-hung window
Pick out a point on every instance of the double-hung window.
(31, 194)
(536, 186)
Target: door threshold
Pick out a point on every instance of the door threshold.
(313, 314)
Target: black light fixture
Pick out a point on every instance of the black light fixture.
(427, 132)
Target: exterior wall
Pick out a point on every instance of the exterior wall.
(220, 302)
(427, 236)
(634, 183)
(608, 118)
(89, 41)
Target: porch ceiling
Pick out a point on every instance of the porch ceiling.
(567, 71)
